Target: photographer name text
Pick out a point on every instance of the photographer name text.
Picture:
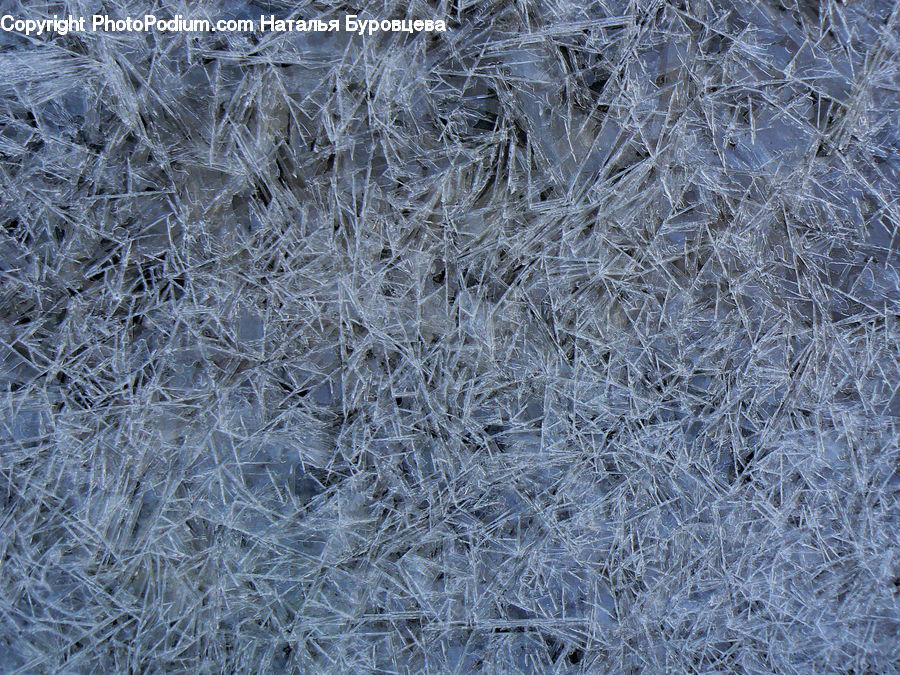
(99, 23)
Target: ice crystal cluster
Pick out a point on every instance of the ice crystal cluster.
(565, 341)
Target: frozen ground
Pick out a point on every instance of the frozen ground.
(563, 342)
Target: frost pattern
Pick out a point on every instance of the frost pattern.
(564, 341)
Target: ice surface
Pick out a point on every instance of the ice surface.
(564, 341)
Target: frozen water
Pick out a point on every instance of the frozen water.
(563, 341)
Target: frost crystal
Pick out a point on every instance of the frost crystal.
(563, 341)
